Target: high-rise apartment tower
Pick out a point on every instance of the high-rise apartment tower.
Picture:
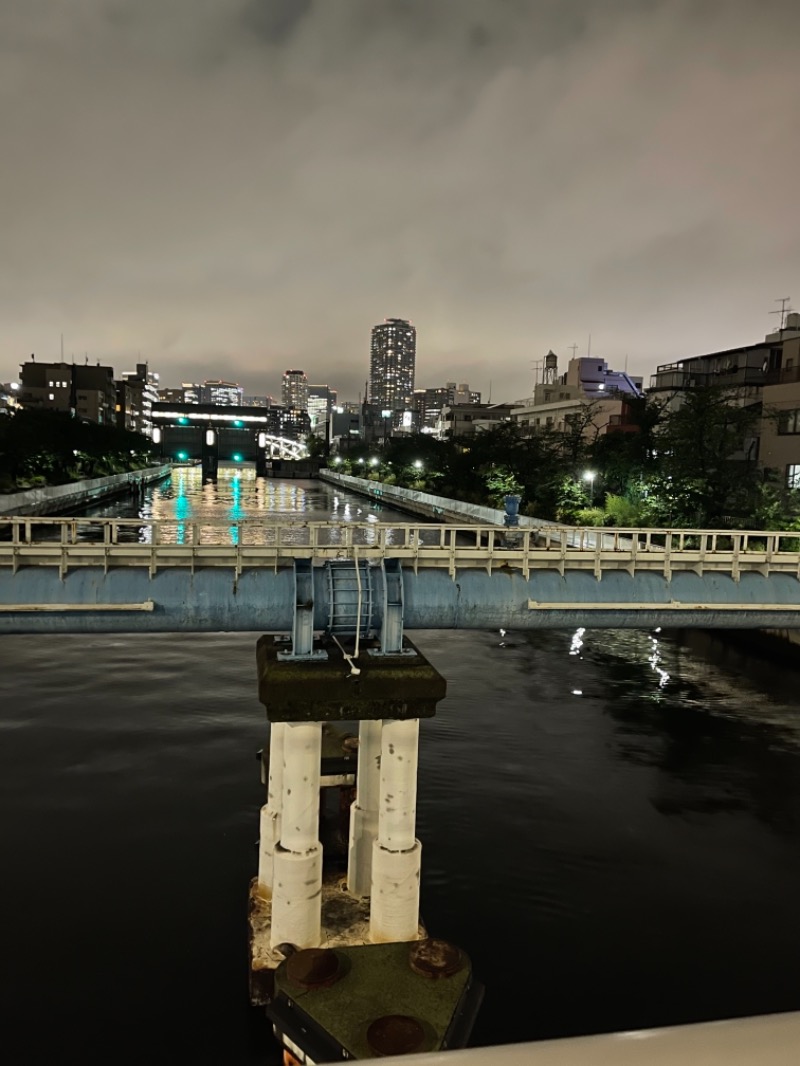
(294, 389)
(391, 368)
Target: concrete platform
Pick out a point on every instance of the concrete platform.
(345, 923)
(324, 690)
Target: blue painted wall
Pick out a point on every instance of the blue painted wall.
(213, 600)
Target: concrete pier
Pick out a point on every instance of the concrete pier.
(270, 821)
(397, 854)
(364, 812)
(343, 967)
(297, 859)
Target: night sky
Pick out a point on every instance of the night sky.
(234, 187)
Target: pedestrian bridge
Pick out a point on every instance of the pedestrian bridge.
(85, 574)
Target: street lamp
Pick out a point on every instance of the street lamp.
(417, 464)
(337, 460)
(589, 475)
(373, 462)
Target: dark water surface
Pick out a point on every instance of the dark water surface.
(610, 824)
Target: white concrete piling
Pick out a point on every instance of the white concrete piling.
(396, 856)
(297, 861)
(270, 820)
(364, 812)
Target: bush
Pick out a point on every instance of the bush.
(590, 516)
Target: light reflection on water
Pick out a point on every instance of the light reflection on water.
(240, 508)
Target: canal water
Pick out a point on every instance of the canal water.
(610, 824)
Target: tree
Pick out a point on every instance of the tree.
(706, 449)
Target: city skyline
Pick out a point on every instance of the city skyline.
(509, 176)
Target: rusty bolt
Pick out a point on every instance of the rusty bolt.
(313, 968)
(395, 1034)
(435, 958)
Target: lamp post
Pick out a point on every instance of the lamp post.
(386, 415)
(589, 475)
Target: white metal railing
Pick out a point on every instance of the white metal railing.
(247, 543)
(769, 1040)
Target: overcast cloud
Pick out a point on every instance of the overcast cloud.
(234, 187)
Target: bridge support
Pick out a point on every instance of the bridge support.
(209, 456)
(375, 953)
(364, 812)
(261, 462)
(297, 859)
(396, 855)
(270, 820)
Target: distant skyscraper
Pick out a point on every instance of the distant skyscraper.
(391, 369)
(221, 393)
(294, 389)
(321, 400)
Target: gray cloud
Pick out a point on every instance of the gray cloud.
(234, 186)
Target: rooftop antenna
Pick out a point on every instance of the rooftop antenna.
(537, 365)
(589, 347)
(573, 348)
(490, 391)
(626, 362)
(783, 301)
(62, 347)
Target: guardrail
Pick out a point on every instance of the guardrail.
(156, 544)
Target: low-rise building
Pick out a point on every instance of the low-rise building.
(590, 392)
(462, 420)
(137, 391)
(86, 391)
(765, 375)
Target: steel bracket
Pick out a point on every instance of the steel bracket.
(303, 625)
(392, 619)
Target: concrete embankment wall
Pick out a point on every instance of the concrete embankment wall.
(54, 499)
(442, 509)
(439, 508)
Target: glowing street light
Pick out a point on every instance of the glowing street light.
(237, 457)
(589, 475)
(417, 464)
(373, 462)
(337, 460)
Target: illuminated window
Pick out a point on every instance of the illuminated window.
(51, 396)
(793, 476)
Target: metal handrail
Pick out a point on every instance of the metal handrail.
(255, 542)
